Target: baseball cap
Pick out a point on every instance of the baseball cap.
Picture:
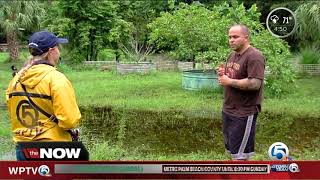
(41, 41)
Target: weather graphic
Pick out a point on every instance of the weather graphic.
(281, 22)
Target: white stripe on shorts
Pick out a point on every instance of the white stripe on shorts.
(241, 154)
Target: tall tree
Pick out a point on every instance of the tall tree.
(85, 23)
(15, 15)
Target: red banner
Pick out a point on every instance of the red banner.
(160, 169)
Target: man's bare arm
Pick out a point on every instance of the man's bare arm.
(249, 84)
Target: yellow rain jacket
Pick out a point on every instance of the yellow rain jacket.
(51, 91)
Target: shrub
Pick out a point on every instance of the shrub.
(194, 32)
(191, 32)
(309, 55)
(106, 55)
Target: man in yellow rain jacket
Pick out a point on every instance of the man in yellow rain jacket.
(41, 101)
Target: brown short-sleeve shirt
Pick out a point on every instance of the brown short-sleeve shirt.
(249, 64)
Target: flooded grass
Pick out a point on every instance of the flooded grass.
(155, 135)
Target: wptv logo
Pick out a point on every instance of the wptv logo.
(280, 152)
(42, 170)
(54, 151)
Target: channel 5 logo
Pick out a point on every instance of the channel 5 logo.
(278, 151)
(44, 170)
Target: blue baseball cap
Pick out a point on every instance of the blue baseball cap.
(41, 41)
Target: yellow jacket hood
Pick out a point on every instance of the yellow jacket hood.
(35, 74)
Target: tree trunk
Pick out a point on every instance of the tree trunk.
(92, 45)
(13, 45)
(117, 55)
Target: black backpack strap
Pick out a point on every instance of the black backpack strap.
(74, 133)
(35, 106)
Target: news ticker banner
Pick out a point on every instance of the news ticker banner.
(160, 169)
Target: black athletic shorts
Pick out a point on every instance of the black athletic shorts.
(239, 135)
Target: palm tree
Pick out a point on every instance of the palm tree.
(16, 15)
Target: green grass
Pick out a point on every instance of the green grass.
(115, 152)
(304, 101)
(4, 57)
(7, 146)
(158, 91)
(107, 151)
(5, 126)
(162, 91)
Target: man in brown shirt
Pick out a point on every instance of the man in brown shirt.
(242, 78)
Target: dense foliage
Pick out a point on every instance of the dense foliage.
(86, 23)
(308, 18)
(194, 32)
(93, 26)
